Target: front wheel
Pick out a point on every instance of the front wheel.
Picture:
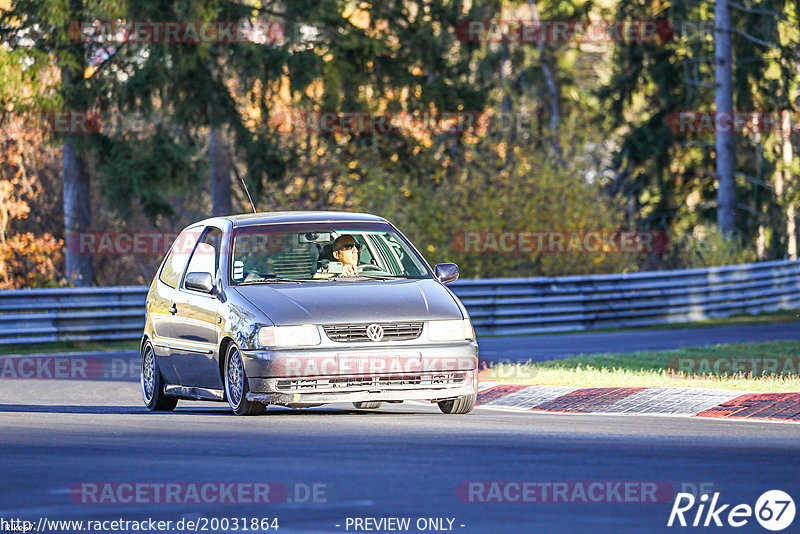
(153, 383)
(236, 387)
(460, 405)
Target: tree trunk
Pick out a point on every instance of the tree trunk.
(785, 179)
(75, 181)
(723, 97)
(552, 88)
(220, 172)
(77, 215)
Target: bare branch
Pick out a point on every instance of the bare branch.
(760, 11)
(753, 39)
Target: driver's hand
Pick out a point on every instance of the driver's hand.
(349, 270)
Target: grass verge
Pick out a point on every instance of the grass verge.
(663, 368)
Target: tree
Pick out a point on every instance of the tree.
(43, 34)
(688, 181)
(552, 88)
(30, 255)
(723, 98)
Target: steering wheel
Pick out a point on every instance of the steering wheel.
(368, 267)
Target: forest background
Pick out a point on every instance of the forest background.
(568, 131)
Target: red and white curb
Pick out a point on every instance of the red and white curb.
(693, 402)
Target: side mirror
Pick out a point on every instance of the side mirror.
(446, 272)
(199, 282)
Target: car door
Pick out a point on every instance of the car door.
(161, 302)
(195, 326)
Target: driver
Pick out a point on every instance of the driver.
(346, 250)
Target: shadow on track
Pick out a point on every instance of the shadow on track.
(187, 411)
(62, 408)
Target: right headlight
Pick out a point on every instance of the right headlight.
(454, 330)
(289, 336)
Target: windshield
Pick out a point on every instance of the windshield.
(266, 254)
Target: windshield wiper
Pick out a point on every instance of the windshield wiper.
(275, 280)
(369, 277)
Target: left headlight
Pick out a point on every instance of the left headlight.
(455, 330)
(289, 336)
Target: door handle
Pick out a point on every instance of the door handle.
(173, 310)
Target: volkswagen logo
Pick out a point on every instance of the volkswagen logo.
(375, 332)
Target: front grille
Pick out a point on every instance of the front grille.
(351, 333)
(350, 382)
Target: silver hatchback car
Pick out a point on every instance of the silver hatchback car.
(301, 309)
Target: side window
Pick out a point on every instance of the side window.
(178, 255)
(398, 256)
(205, 258)
(365, 256)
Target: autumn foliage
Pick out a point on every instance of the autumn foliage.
(28, 256)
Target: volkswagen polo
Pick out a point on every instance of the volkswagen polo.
(301, 309)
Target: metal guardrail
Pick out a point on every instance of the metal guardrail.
(77, 314)
(498, 306)
(505, 306)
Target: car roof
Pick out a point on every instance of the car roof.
(282, 217)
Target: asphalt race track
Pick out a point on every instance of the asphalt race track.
(405, 461)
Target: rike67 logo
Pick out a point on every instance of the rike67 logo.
(774, 510)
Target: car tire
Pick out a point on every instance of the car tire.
(367, 405)
(152, 383)
(460, 405)
(236, 387)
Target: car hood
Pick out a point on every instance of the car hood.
(352, 302)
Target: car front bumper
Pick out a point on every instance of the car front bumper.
(361, 374)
